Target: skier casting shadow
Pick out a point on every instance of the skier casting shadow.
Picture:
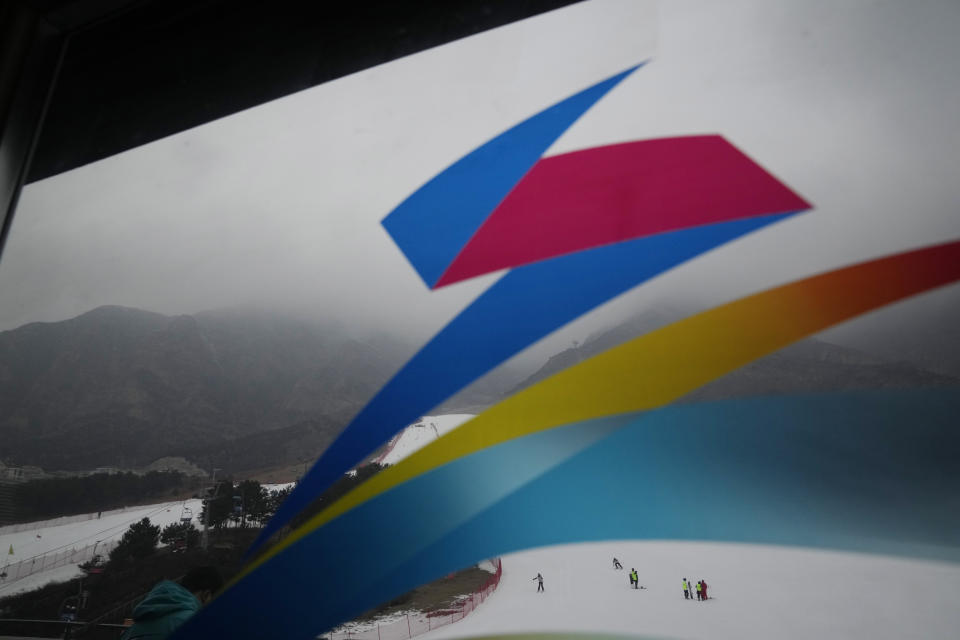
(539, 580)
(616, 564)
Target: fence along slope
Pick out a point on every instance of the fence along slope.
(412, 625)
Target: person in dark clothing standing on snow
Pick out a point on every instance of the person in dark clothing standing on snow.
(616, 564)
(686, 589)
(634, 579)
(539, 580)
(699, 591)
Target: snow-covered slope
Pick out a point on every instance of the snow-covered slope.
(756, 592)
(40, 545)
(36, 544)
(419, 434)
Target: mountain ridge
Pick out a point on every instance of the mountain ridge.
(809, 365)
(243, 389)
(119, 386)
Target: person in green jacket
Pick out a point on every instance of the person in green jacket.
(169, 605)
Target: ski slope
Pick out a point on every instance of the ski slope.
(36, 543)
(53, 537)
(420, 434)
(759, 592)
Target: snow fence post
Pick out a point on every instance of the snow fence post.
(409, 633)
(378, 631)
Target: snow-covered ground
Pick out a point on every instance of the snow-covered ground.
(42, 579)
(755, 591)
(487, 565)
(420, 434)
(49, 540)
(53, 537)
(278, 487)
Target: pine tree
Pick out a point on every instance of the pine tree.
(139, 541)
(180, 531)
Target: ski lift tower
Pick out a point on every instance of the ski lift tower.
(211, 494)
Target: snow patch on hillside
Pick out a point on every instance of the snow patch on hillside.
(420, 434)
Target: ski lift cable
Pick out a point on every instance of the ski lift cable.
(98, 533)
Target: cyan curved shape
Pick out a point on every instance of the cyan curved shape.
(522, 307)
(861, 471)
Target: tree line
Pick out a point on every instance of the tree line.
(241, 504)
(228, 504)
(247, 503)
(55, 497)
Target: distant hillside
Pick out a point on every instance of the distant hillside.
(243, 390)
(124, 387)
(809, 365)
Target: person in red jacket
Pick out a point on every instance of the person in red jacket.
(704, 588)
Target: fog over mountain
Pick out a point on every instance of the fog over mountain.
(243, 389)
(122, 387)
(810, 365)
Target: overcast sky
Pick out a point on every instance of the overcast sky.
(854, 105)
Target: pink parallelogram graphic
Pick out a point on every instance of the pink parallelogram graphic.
(602, 195)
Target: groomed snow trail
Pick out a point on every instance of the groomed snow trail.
(111, 526)
(420, 434)
(759, 592)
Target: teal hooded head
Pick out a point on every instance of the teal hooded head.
(166, 607)
(169, 605)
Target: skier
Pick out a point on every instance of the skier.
(699, 591)
(686, 589)
(703, 584)
(539, 580)
(616, 564)
(634, 578)
(69, 613)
